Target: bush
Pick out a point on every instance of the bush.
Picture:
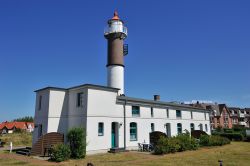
(204, 140)
(179, 143)
(155, 136)
(233, 136)
(218, 141)
(77, 141)
(161, 146)
(60, 152)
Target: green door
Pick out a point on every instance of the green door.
(113, 135)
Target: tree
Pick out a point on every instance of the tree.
(24, 119)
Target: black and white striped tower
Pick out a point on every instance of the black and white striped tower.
(115, 33)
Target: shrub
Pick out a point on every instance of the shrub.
(179, 143)
(77, 141)
(204, 140)
(60, 152)
(218, 141)
(155, 136)
(173, 145)
(184, 142)
(194, 144)
(161, 146)
(233, 136)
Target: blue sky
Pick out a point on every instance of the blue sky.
(182, 50)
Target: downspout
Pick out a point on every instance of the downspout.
(124, 122)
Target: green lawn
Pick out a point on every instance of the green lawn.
(237, 153)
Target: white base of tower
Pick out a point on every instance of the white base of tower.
(116, 77)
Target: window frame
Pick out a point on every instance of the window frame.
(179, 128)
(192, 127)
(79, 99)
(100, 127)
(167, 111)
(152, 111)
(152, 125)
(136, 110)
(177, 114)
(133, 128)
(40, 102)
(201, 126)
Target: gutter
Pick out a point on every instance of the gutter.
(124, 122)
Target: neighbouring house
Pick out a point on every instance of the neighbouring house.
(220, 115)
(240, 116)
(10, 127)
(111, 119)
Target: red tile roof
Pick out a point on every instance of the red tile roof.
(17, 125)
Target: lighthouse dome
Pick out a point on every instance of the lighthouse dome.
(115, 25)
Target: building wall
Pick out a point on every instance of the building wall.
(41, 116)
(102, 107)
(61, 113)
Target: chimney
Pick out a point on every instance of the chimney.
(156, 97)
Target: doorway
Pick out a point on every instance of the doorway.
(114, 134)
(168, 129)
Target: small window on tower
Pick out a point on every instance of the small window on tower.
(40, 103)
(79, 99)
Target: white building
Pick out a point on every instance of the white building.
(111, 119)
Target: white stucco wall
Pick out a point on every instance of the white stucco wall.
(41, 116)
(60, 112)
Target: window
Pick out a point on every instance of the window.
(152, 112)
(40, 130)
(167, 111)
(152, 127)
(201, 127)
(178, 113)
(205, 115)
(206, 127)
(191, 114)
(40, 103)
(133, 131)
(100, 129)
(179, 128)
(79, 100)
(135, 111)
(192, 127)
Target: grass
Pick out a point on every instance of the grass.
(18, 139)
(237, 153)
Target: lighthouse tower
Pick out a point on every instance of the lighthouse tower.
(115, 33)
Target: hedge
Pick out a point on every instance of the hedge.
(178, 143)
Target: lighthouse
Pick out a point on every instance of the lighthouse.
(116, 33)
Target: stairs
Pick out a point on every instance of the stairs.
(117, 150)
(24, 151)
(45, 141)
